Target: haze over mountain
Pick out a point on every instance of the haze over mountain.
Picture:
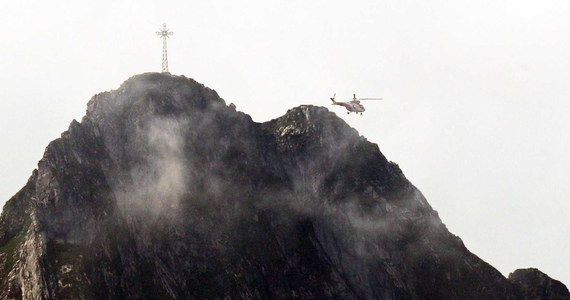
(163, 191)
(477, 92)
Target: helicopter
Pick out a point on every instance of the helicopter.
(353, 105)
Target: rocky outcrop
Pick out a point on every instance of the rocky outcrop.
(162, 191)
(537, 285)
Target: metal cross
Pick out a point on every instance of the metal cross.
(164, 34)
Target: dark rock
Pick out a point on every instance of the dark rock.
(164, 192)
(537, 285)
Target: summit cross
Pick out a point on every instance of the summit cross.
(164, 34)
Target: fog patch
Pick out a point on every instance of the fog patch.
(158, 181)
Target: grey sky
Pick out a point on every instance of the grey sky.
(477, 92)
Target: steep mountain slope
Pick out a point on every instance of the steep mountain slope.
(164, 192)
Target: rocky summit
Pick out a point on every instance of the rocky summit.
(163, 191)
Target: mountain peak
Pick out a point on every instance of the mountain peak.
(162, 191)
(156, 93)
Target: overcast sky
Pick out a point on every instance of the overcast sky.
(477, 110)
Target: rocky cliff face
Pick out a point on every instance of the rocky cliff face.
(164, 192)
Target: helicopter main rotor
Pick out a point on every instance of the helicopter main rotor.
(358, 99)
